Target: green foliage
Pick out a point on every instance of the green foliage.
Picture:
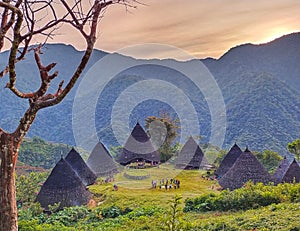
(250, 196)
(54, 208)
(36, 152)
(115, 151)
(283, 217)
(27, 186)
(220, 157)
(112, 212)
(167, 128)
(158, 210)
(294, 147)
(82, 218)
(145, 211)
(68, 216)
(269, 159)
(35, 226)
(173, 218)
(167, 152)
(33, 211)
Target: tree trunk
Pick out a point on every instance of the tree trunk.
(8, 206)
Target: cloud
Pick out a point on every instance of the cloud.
(201, 27)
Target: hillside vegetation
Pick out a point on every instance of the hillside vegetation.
(259, 84)
(36, 152)
(137, 206)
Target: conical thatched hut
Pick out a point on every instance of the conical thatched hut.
(80, 167)
(229, 160)
(190, 156)
(101, 162)
(138, 147)
(63, 186)
(287, 172)
(246, 168)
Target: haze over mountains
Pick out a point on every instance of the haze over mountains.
(259, 83)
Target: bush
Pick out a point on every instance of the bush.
(28, 186)
(250, 196)
(111, 212)
(68, 216)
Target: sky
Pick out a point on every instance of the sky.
(202, 28)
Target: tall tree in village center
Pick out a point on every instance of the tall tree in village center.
(163, 130)
(23, 22)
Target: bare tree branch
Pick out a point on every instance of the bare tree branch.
(90, 39)
(77, 17)
(21, 22)
(4, 24)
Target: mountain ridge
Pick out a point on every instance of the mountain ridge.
(258, 82)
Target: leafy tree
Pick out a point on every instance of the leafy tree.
(28, 186)
(24, 23)
(269, 159)
(294, 147)
(163, 131)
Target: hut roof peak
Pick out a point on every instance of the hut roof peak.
(229, 159)
(80, 167)
(101, 162)
(245, 168)
(287, 171)
(138, 147)
(190, 156)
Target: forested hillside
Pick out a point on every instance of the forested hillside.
(39, 153)
(259, 84)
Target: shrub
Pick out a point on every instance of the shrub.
(250, 196)
(68, 216)
(111, 212)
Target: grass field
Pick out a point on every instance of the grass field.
(136, 206)
(140, 192)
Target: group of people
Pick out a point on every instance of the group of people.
(166, 184)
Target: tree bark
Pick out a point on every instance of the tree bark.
(8, 152)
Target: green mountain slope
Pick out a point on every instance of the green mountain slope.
(259, 84)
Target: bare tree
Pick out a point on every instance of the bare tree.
(22, 22)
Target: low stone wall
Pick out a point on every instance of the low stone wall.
(128, 176)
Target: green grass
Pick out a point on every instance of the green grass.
(135, 193)
(281, 217)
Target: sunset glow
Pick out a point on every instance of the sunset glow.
(200, 27)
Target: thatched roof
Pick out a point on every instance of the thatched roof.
(138, 147)
(80, 167)
(229, 160)
(204, 163)
(190, 156)
(63, 186)
(287, 171)
(101, 162)
(246, 168)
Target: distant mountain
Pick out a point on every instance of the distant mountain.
(259, 83)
